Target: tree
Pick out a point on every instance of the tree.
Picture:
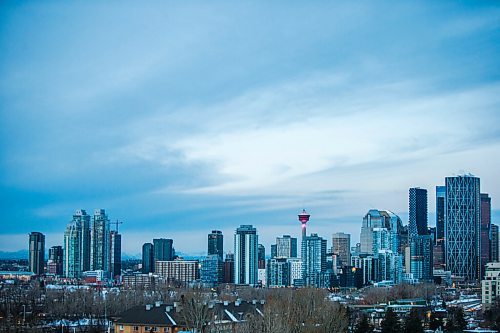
(363, 325)
(412, 323)
(390, 324)
(456, 320)
(435, 322)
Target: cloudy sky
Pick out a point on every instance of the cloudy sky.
(183, 117)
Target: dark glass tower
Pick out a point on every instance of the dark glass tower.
(418, 212)
(115, 254)
(261, 257)
(485, 230)
(148, 261)
(216, 243)
(37, 252)
(440, 211)
(163, 249)
(55, 262)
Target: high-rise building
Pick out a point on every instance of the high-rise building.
(381, 239)
(485, 230)
(37, 252)
(55, 262)
(274, 250)
(246, 255)
(463, 227)
(148, 259)
(494, 257)
(261, 257)
(286, 247)
(229, 268)
(115, 243)
(99, 249)
(163, 249)
(212, 270)
(216, 243)
(417, 211)
(278, 272)
(72, 265)
(313, 259)
(421, 243)
(341, 248)
(440, 211)
(82, 221)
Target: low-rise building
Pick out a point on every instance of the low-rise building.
(491, 284)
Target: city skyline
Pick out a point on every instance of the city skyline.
(179, 119)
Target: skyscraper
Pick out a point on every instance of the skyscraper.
(485, 230)
(440, 211)
(261, 257)
(417, 211)
(212, 270)
(313, 259)
(229, 268)
(463, 226)
(163, 249)
(216, 243)
(37, 252)
(82, 221)
(278, 272)
(115, 243)
(286, 247)
(148, 261)
(421, 243)
(100, 249)
(72, 265)
(246, 255)
(341, 247)
(55, 262)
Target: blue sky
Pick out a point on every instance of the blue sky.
(183, 117)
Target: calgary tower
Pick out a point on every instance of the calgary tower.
(304, 218)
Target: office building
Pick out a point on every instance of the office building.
(216, 243)
(148, 261)
(490, 285)
(417, 212)
(178, 272)
(286, 247)
(295, 271)
(212, 270)
(274, 250)
(115, 257)
(100, 238)
(55, 262)
(246, 255)
(313, 259)
(229, 268)
(278, 272)
(421, 242)
(261, 257)
(485, 230)
(37, 252)
(163, 249)
(494, 244)
(463, 226)
(82, 222)
(440, 211)
(341, 248)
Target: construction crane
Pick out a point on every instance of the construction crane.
(117, 223)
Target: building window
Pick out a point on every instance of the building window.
(136, 328)
(121, 327)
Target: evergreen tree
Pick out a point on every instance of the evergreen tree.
(363, 325)
(435, 322)
(412, 323)
(390, 324)
(456, 320)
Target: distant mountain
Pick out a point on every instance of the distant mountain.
(21, 254)
(128, 256)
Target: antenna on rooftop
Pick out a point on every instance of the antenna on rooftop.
(117, 223)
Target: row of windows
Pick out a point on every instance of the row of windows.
(148, 329)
